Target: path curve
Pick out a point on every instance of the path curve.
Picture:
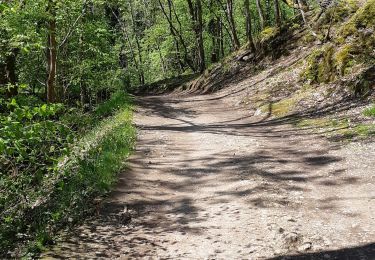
(209, 182)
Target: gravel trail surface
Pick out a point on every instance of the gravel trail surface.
(209, 181)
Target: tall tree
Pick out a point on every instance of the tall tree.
(137, 41)
(175, 32)
(277, 13)
(8, 76)
(249, 29)
(261, 14)
(195, 9)
(51, 52)
(232, 24)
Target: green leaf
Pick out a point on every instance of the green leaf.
(14, 103)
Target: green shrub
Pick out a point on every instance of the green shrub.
(50, 172)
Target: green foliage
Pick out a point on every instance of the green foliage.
(370, 112)
(343, 59)
(353, 43)
(363, 18)
(312, 67)
(268, 34)
(326, 68)
(360, 27)
(358, 132)
(49, 174)
(54, 158)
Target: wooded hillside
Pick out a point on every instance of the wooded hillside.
(67, 68)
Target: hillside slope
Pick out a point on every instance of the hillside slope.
(244, 162)
(327, 80)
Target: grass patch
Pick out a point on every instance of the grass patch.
(323, 123)
(285, 106)
(370, 112)
(338, 129)
(360, 131)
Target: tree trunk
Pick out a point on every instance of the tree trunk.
(214, 29)
(221, 39)
(261, 14)
(197, 21)
(277, 13)
(249, 34)
(163, 65)
(267, 13)
(8, 74)
(51, 53)
(176, 34)
(202, 58)
(229, 9)
(139, 49)
(220, 25)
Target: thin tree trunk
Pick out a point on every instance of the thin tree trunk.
(83, 88)
(161, 59)
(301, 8)
(261, 14)
(221, 39)
(232, 24)
(277, 13)
(51, 53)
(127, 38)
(8, 74)
(249, 25)
(202, 57)
(139, 49)
(197, 21)
(219, 18)
(175, 33)
(228, 10)
(214, 28)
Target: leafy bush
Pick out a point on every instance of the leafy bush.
(31, 142)
(49, 173)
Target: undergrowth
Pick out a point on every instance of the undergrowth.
(351, 45)
(34, 206)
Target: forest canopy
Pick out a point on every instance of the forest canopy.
(80, 51)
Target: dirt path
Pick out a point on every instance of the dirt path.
(208, 182)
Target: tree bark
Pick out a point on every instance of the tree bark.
(261, 14)
(249, 34)
(197, 21)
(8, 74)
(202, 64)
(214, 30)
(232, 24)
(51, 53)
(83, 87)
(176, 34)
(277, 13)
(139, 49)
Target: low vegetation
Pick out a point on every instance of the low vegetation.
(57, 165)
(370, 112)
(352, 45)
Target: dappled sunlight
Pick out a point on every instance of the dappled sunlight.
(200, 170)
